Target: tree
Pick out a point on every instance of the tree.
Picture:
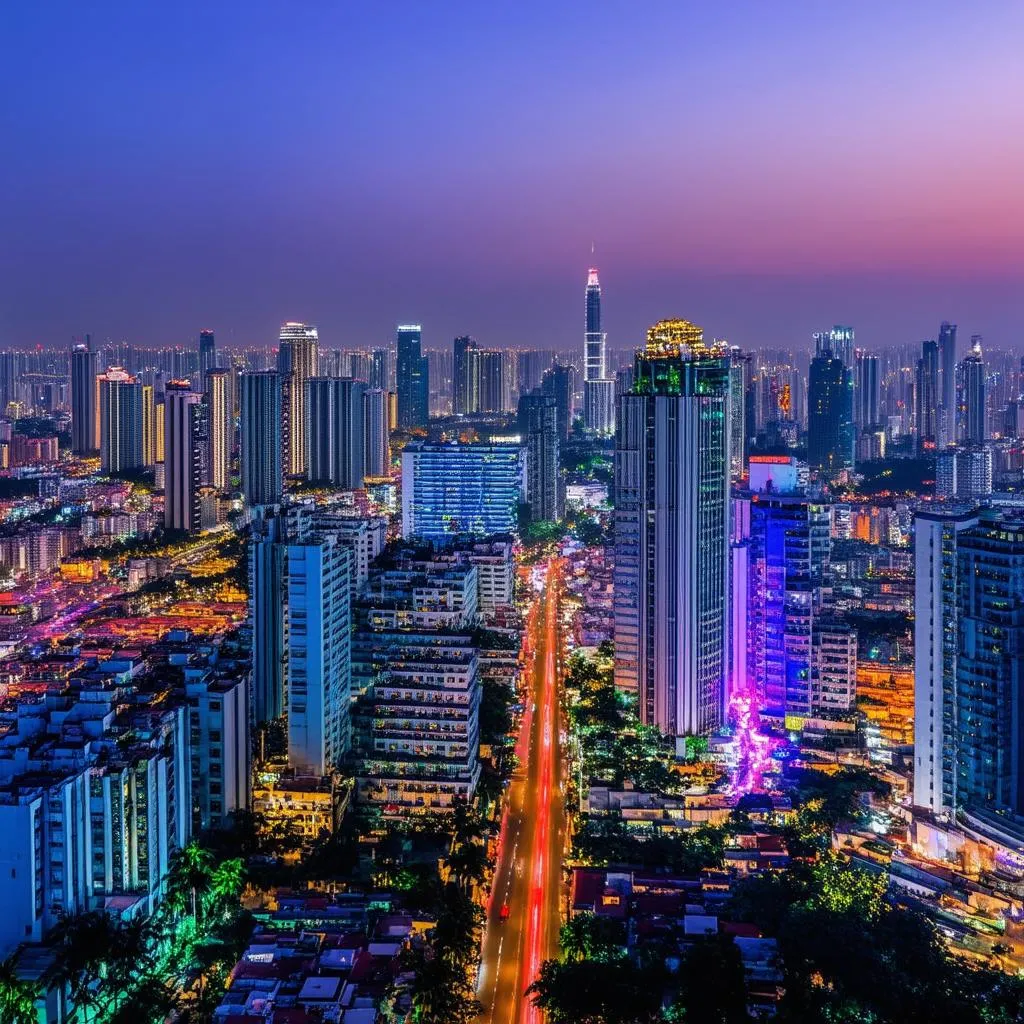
(17, 995)
(468, 864)
(597, 992)
(589, 937)
(189, 878)
(713, 985)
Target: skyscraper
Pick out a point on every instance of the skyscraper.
(207, 358)
(318, 661)
(298, 359)
(593, 337)
(989, 709)
(672, 530)
(947, 395)
(334, 430)
(538, 428)
(377, 458)
(184, 451)
(149, 411)
(220, 432)
(865, 392)
(740, 367)
(83, 399)
(837, 342)
(120, 409)
(261, 447)
(413, 379)
(558, 382)
(830, 414)
(382, 372)
(266, 621)
(926, 396)
(599, 406)
(936, 566)
(452, 489)
(972, 420)
(465, 384)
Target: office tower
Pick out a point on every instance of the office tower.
(531, 365)
(936, 566)
(790, 540)
(833, 668)
(559, 381)
(971, 418)
(945, 474)
(491, 386)
(599, 406)
(120, 407)
(593, 338)
(538, 428)
(830, 415)
(266, 621)
(838, 342)
(377, 448)
(947, 392)
(149, 409)
(451, 489)
(926, 394)
(740, 367)
(261, 447)
(318, 662)
(672, 530)
(973, 473)
(382, 374)
(207, 358)
(865, 392)
(185, 446)
(462, 382)
(84, 439)
(334, 431)
(413, 379)
(989, 714)
(220, 432)
(298, 359)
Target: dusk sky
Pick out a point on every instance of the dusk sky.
(764, 169)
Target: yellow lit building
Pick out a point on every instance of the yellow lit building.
(680, 337)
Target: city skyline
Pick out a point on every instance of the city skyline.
(153, 194)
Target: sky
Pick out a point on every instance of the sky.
(764, 169)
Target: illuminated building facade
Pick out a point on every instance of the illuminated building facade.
(457, 489)
(207, 358)
(413, 379)
(972, 414)
(926, 395)
(120, 408)
(672, 531)
(185, 443)
(538, 428)
(261, 442)
(593, 336)
(298, 359)
(376, 442)
(830, 435)
(220, 428)
(84, 439)
(947, 370)
(334, 431)
(599, 406)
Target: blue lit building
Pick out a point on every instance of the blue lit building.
(413, 379)
(451, 490)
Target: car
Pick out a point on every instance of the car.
(505, 911)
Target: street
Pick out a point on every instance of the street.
(528, 875)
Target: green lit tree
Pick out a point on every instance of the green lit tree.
(17, 995)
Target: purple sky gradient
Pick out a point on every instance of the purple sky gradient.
(764, 169)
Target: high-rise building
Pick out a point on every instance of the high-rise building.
(266, 622)
(833, 668)
(947, 391)
(559, 381)
(377, 447)
(149, 411)
(926, 397)
(740, 367)
(318, 661)
(334, 429)
(465, 380)
(220, 428)
(121, 415)
(838, 342)
(593, 337)
(413, 379)
(382, 374)
(185, 447)
(866, 392)
(972, 419)
(261, 447)
(298, 359)
(789, 548)
(538, 428)
(989, 714)
(207, 358)
(830, 436)
(599, 406)
(936, 638)
(452, 489)
(491, 389)
(672, 530)
(84, 439)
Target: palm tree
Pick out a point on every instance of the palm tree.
(189, 877)
(226, 882)
(468, 864)
(17, 996)
(466, 823)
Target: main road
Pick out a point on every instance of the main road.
(528, 874)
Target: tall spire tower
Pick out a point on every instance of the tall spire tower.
(593, 338)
